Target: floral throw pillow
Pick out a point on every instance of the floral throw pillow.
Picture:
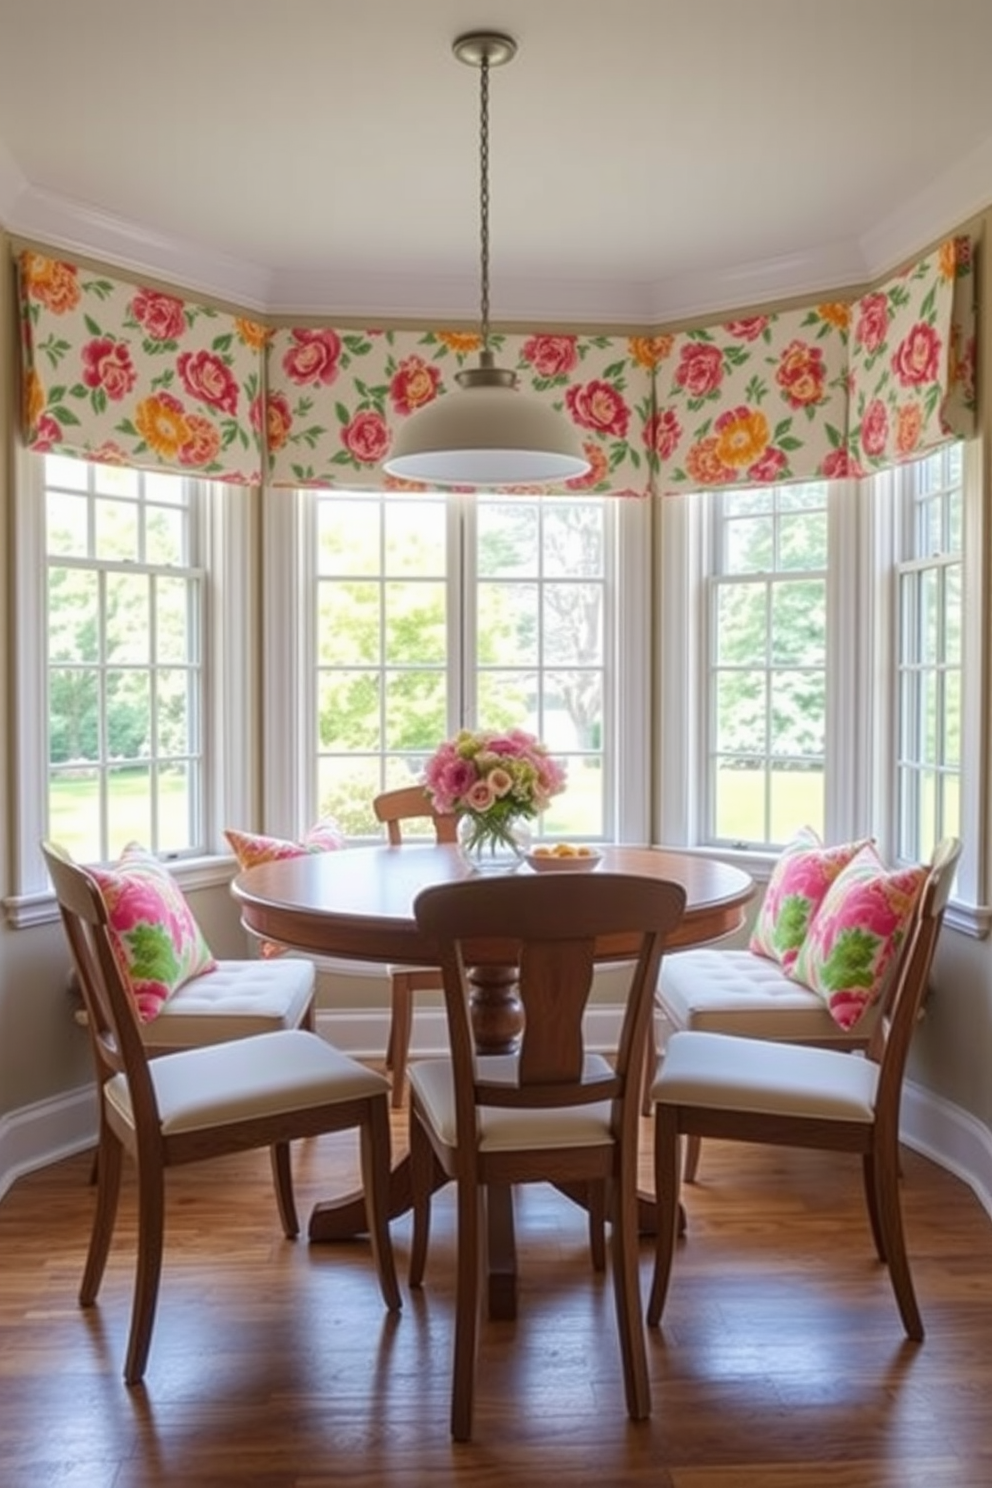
(800, 879)
(158, 944)
(856, 932)
(252, 848)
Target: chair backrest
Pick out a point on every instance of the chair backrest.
(111, 1015)
(412, 803)
(554, 926)
(900, 1011)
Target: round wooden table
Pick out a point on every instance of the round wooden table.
(358, 904)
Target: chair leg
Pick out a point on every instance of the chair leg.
(282, 1177)
(107, 1173)
(421, 1177)
(871, 1201)
(400, 1033)
(886, 1165)
(468, 1291)
(597, 1192)
(691, 1163)
(627, 1298)
(375, 1183)
(151, 1221)
(650, 1064)
(666, 1188)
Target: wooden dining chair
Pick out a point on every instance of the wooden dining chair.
(394, 808)
(552, 1112)
(200, 1103)
(756, 1090)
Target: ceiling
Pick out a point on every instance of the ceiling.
(651, 159)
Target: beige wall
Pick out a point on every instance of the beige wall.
(43, 1053)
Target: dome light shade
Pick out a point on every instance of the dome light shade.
(489, 434)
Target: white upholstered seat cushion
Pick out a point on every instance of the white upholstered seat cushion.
(224, 1083)
(237, 999)
(736, 991)
(741, 1074)
(508, 1130)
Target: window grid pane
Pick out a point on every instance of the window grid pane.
(929, 671)
(125, 676)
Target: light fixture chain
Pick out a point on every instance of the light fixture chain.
(484, 193)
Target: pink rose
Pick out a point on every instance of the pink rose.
(551, 356)
(769, 467)
(107, 364)
(875, 428)
(206, 377)
(662, 432)
(47, 434)
(598, 405)
(748, 329)
(161, 316)
(873, 322)
(837, 465)
(801, 374)
(414, 383)
(202, 442)
(917, 357)
(314, 357)
(700, 369)
(366, 437)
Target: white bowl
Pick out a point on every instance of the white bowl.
(550, 863)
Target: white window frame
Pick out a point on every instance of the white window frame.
(230, 753)
(862, 597)
(289, 796)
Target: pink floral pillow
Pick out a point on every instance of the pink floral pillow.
(157, 942)
(800, 879)
(251, 848)
(857, 930)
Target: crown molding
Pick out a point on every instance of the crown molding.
(77, 228)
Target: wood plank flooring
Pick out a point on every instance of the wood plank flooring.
(781, 1364)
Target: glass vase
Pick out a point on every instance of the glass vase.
(493, 852)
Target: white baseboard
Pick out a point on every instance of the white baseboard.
(43, 1133)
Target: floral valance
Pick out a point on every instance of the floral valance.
(335, 398)
(126, 374)
(133, 376)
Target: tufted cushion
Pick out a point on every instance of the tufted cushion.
(801, 877)
(505, 1129)
(158, 944)
(734, 991)
(235, 1000)
(230, 1082)
(726, 1073)
(252, 848)
(855, 934)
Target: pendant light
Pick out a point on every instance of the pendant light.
(490, 433)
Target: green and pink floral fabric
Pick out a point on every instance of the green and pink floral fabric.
(252, 848)
(158, 944)
(912, 363)
(335, 399)
(857, 930)
(130, 374)
(798, 884)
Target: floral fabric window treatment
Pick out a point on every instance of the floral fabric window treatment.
(128, 374)
(336, 396)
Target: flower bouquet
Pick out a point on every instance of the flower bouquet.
(492, 782)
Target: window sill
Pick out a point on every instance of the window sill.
(23, 911)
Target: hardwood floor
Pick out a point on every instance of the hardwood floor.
(782, 1362)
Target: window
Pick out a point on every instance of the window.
(124, 661)
(767, 697)
(131, 588)
(427, 613)
(814, 666)
(929, 702)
